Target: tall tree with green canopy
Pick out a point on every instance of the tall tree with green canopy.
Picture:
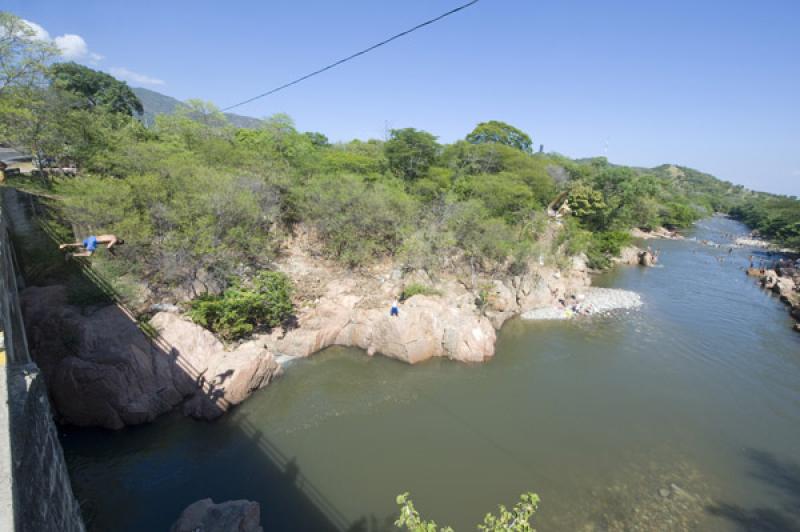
(23, 57)
(23, 67)
(411, 152)
(497, 132)
(96, 88)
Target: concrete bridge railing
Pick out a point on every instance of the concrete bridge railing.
(35, 490)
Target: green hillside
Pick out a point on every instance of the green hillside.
(155, 103)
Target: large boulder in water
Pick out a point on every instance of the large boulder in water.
(647, 258)
(205, 516)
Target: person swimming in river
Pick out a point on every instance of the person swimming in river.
(90, 243)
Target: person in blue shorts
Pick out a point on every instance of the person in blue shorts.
(90, 244)
(395, 311)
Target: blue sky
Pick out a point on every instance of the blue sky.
(711, 84)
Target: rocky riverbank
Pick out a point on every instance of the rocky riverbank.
(457, 319)
(104, 370)
(785, 283)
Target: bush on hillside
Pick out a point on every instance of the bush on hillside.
(414, 289)
(240, 310)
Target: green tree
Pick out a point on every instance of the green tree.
(410, 152)
(319, 140)
(206, 113)
(357, 220)
(95, 88)
(497, 132)
(23, 56)
(36, 122)
(586, 202)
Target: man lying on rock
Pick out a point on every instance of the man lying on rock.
(90, 244)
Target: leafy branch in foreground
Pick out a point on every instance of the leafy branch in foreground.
(517, 519)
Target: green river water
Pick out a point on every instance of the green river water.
(682, 415)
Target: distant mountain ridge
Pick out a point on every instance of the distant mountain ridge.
(155, 103)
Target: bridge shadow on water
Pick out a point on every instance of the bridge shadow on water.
(782, 477)
(231, 458)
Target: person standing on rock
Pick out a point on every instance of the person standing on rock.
(395, 309)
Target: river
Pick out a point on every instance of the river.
(681, 415)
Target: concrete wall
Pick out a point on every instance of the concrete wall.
(35, 490)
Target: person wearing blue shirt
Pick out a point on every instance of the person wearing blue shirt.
(90, 243)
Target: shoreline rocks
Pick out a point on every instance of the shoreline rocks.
(752, 242)
(658, 232)
(785, 284)
(597, 300)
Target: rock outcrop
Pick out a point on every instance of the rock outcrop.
(785, 284)
(102, 370)
(628, 255)
(647, 258)
(457, 323)
(99, 367)
(221, 378)
(229, 516)
(427, 327)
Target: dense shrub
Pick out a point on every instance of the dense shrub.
(265, 303)
(413, 289)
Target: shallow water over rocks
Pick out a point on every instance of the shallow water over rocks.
(683, 414)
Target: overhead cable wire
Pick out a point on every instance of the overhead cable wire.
(353, 56)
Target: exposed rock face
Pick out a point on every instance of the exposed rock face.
(229, 516)
(426, 327)
(354, 311)
(226, 378)
(101, 370)
(628, 255)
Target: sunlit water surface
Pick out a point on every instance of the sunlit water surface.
(699, 389)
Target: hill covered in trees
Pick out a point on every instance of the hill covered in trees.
(155, 103)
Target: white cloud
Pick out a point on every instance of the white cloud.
(72, 47)
(39, 33)
(135, 77)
